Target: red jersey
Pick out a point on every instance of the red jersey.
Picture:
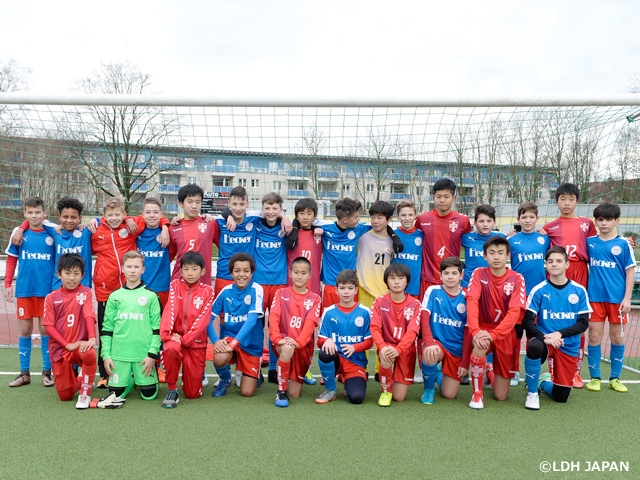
(69, 317)
(395, 324)
(442, 239)
(294, 315)
(187, 313)
(193, 235)
(495, 303)
(309, 247)
(572, 234)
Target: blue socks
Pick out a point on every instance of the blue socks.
(595, 354)
(224, 372)
(328, 371)
(46, 360)
(547, 387)
(24, 352)
(429, 373)
(273, 359)
(532, 374)
(617, 356)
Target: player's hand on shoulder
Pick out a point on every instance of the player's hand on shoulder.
(132, 227)
(292, 239)
(165, 237)
(149, 365)
(631, 241)
(58, 228)
(92, 226)
(231, 223)
(16, 236)
(208, 217)
(511, 233)
(8, 294)
(542, 231)
(175, 221)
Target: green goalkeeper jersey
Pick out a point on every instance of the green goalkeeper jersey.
(131, 328)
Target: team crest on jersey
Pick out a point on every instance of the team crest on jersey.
(359, 321)
(317, 239)
(123, 233)
(142, 301)
(307, 304)
(48, 241)
(573, 299)
(508, 288)
(197, 302)
(616, 250)
(418, 241)
(158, 239)
(202, 227)
(584, 226)
(541, 240)
(77, 233)
(247, 299)
(281, 233)
(453, 225)
(81, 297)
(351, 235)
(408, 313)
(461, 308)
(249, 227)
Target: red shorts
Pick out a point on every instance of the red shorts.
(404, 367)
(300, 362)
(562, 367)
(504, 355)
(424, 284)
(348, 370)
(578, 272)
(330, 296)
(220, 284)
(268, 293)
(66, 381)
(29, 307)
(163, 297)
(450, 363)
(608, 311)
(248, 364)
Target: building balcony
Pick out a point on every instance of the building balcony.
(224, 170)
(170, 208)
(466, 199)
(169, 188)
(322, 194)
(219, 189)
(400, 196)
(297, 193)
(400, 177)
(137, 187)
(11, 202)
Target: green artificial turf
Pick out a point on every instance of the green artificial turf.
(235, 437)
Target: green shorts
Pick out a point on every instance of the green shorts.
(122, 374)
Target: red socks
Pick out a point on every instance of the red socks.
(477, 373)
(386, 378)
(283, 370)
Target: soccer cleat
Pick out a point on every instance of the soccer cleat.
(84, 402)
(103, 383)
(464, 380)
(21, 380)
(417, 377)
(617, 385)
(326, 397)
(544, 377)
(308, 379)
(221, 389)
(238, 378)
(282, 399)
(385, 399)
(161, 376)
(47, 381)
(577, 381)
(111, 401)
(477, 401)
(533, 401)
(171, 400)
(205, 381)
(594, 385)
(260, 380)
(272, 376)
(427, 396)
(515, 380)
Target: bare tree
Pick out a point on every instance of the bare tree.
(581, 155)
(458, 138)
(314, 144)
(13, 77)
(626, 148)
(117, 144)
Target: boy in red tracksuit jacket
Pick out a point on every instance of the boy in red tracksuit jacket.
(110, 242)
(183, 329)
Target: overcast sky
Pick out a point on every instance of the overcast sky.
(303, 49)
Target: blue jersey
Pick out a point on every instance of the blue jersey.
(270, 255)
(608, 264)
(411, 256)
(347, 328)
(474, 253)
(72, 242)
(36, 265)
(447, 316)
(559, 308)
(339, 248)
(527, 257)
(241, 240)
(157, 267)
(242, 313)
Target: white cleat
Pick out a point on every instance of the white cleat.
(533, 401)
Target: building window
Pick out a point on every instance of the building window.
(243, 165)
(221, 182)
(346, 188)
(242, 182)
(255, 183)
(277, 185)
(369, 187)
(192, 180)
(218, 162)
(273, 167)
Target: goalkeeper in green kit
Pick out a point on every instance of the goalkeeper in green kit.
(130, 336)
